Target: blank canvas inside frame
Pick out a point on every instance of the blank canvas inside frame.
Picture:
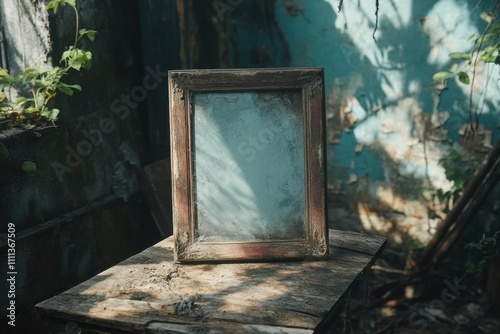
(248, 166)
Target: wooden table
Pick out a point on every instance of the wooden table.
(148, 293)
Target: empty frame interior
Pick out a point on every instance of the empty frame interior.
(248, 158)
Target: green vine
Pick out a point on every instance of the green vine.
(489, 248)
(459, 173)
(486, 49)
(38, 87)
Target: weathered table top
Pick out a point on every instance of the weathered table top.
(149, 293)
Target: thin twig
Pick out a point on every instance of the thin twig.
(340, 5)
(391, 271)
(376, 19)
(48, 126)
(77, 25)
(387, 327)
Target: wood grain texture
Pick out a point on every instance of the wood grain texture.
(150, 293)
(160, 328)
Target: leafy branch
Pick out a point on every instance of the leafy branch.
(458, 172)
(486, 49)
(489, 247)
(38, 87)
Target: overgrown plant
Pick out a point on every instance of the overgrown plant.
(37, 87)
(486, 49)
(459, 173)
(489, 248)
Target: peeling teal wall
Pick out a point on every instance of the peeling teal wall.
(388, 123)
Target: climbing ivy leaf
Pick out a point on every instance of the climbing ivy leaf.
(443, 75)
(472, 36)
(68, 89)
(463, 77)
(4, 151)
(29, 167)
(488, 17)
(89, 33)
(54, 4)
(77, 58)
(460, 55)
(52, 114)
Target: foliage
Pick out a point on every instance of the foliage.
(458, 172)
(29, 166)
(4, 152)
(486, 50)
(489, 247)
(38, 87)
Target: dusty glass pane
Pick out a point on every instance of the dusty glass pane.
(248, 166)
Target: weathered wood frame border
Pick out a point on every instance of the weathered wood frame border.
(182, 84)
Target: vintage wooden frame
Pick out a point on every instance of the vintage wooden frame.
(183, 87)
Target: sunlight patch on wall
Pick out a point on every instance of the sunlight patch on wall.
(358, 24)
(399, 130)
(448, 26)
(486, 97)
